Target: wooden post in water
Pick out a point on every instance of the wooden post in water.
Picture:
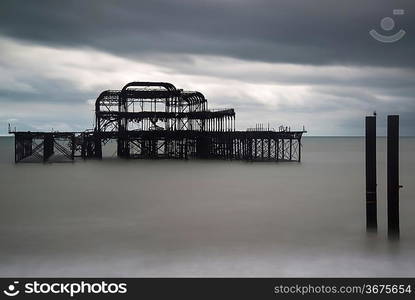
(393, 176)
(371, 195)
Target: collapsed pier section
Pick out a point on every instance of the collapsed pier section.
(154, 120)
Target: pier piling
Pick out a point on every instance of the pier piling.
(371, 193)
(393, 176)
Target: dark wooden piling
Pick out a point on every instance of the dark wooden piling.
(393, 176)
(371, 194)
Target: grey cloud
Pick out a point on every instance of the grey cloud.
(170, 34)
(301, 32)
(47, 91)
(380, 78)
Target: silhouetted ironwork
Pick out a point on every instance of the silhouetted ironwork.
(156, 120)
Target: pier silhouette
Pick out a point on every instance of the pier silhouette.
(155, 120)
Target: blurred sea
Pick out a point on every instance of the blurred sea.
(203, 218)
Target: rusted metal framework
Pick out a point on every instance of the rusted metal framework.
(156, 120)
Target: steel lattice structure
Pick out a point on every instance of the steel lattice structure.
(157, 120)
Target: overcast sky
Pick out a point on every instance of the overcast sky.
(292, 62)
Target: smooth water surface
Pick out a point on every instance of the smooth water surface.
(203, 218)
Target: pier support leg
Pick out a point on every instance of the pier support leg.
(123, 149)
(73, 146)
(48, 147)
(27, 147)
(393, 176)
(371, 194)
(97, 147)
(291, 149)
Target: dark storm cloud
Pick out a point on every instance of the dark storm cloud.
(301, 32)
(299, 62)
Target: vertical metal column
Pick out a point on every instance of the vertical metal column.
(73, 146)
(122, 139)
(97, 145)
(48, 146)
(277, 149)
(27, 146)
(16, 148)
(393, 176)
(291, 148)
(371, 195)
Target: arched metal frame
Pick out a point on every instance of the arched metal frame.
(180, 110)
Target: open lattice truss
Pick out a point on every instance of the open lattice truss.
(157, 120)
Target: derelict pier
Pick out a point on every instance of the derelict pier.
(153, 120)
